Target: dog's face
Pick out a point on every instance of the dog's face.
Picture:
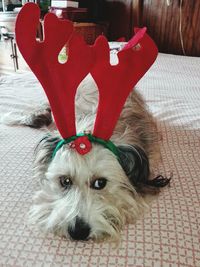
(83, 197)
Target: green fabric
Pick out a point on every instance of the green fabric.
(107, 144)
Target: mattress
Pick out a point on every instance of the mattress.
(167, 235)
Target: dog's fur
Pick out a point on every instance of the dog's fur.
(80, 210)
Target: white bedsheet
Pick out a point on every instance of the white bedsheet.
(168, 235)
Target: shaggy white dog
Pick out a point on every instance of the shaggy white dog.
(96, 194)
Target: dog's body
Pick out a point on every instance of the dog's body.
(95, 195)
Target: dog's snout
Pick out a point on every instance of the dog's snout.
(80, 231)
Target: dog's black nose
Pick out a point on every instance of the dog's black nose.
(80, 231)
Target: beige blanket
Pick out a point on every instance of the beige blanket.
(167, 235)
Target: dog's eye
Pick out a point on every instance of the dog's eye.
(98, 184)
(65, 181)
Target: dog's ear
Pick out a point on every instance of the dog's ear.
(43, 154)
(135, 164)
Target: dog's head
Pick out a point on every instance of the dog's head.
(90, 196)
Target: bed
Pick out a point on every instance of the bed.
(167, 235)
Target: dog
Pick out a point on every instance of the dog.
(93, 196)
(89, 195)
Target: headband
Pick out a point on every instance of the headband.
(60, 81)
(82, 143)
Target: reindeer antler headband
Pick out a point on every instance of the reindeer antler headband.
(60, 81)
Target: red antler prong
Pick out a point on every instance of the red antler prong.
(60, 81)
(116, 82)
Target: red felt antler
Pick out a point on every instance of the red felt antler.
(60, 81)
(116, 82)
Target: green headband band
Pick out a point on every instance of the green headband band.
(107, 144)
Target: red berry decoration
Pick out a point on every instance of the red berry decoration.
(82, 145)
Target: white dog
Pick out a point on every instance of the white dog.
(95, 195)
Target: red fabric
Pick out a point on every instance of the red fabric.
(82, 145)
(60, 81)
(116, 82)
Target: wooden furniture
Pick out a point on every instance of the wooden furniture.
(120, 18)
(169, 23)
(90, 31)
